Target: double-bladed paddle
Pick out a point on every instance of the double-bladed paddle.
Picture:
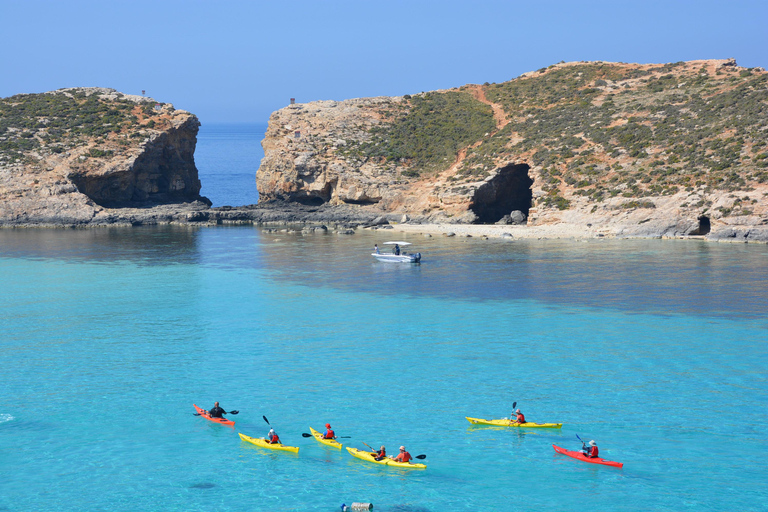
(422, 456)
(230, 412)
(304, 434)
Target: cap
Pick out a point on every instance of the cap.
(592, 443)
(518, 410)
(327, 425)
(402, 447)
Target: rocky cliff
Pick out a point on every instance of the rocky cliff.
(78, 156)
(658, 149)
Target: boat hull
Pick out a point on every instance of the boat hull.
(262, 443)
(398, 258)
(510, 423)
(220, 421)
(580, 456)
(387, 461)
(328, 442)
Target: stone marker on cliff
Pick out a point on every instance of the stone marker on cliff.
(636, 150)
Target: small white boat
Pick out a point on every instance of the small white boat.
(396, 255)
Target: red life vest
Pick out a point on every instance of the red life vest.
(329, 434)
(404, 457)
(274, 439)
(520, 418)
(380, 454)
(592, 452)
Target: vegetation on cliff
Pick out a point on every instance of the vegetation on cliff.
(596, 130)
(426, 131)
(34, 125)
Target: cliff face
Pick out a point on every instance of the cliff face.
(678, 149)
(71, 155)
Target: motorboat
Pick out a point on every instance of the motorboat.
(396, 254)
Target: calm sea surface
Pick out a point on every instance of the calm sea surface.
(655, 349)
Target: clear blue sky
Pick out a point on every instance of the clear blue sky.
(236, 61)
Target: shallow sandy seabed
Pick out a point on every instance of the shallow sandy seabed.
(498, 231)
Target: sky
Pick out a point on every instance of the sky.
(233, 61)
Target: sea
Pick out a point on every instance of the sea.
(655, 349)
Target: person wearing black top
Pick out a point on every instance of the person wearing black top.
(217, 412)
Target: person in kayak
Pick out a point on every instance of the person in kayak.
(517, 417)
(403, 456)
(217, 412)
(381, 454)
(329, 434)
(590, 452)
(272, 437)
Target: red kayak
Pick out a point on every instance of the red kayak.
(581, 456)
(221, 421)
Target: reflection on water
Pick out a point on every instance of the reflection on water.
(660, 276)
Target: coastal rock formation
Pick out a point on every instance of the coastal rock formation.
(639, 150)
(73, 156)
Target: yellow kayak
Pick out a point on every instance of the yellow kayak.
(321, 439)
(387, 461)
(510, 423)
(260, 441)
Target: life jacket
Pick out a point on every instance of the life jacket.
(329, 434)
(404, 457)
(274, 439)
(592, 452)
(381, 454)
(520, 418)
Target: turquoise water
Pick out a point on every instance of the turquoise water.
(227, 157)
(655, 349)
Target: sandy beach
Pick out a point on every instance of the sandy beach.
(553, 231)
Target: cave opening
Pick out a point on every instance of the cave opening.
(704, 226)
(508, 191)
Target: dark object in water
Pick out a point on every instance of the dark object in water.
(204, 485)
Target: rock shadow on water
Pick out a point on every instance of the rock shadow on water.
(203, 485)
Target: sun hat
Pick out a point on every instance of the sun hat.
(402, 447)
(592, 443)
(327, 425)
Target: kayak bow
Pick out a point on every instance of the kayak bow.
(581, 456)
(386, 461)
(329, 442)
(220, 421)
(262, 443)
(510, 423)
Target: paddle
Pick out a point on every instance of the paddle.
(422, 456)
(230, 412)
(265, 419)
(514, 404)
(304, 434)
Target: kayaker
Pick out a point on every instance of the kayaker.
(403, 456)
(329, 434)
(217, 412)
(517, 417)
(381, 454)
(590, 452)
(272, 437)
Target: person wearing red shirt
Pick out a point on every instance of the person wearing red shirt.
(518, 417)
(403, 456)
(329, 434)
(382, 453)
(590, 452)
(272, 437)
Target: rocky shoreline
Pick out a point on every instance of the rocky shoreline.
(350, 219)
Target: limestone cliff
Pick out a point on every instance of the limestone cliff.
(676, 149)
(73, 155)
